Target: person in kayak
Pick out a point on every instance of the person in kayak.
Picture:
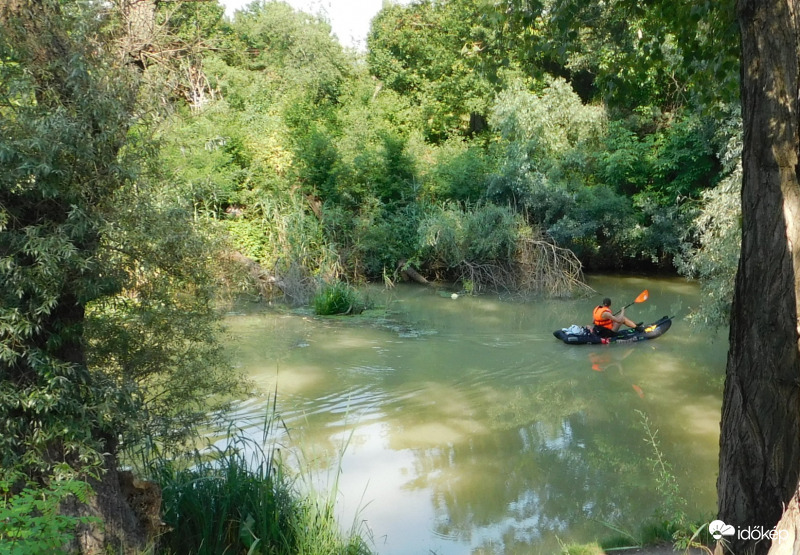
(607, 324)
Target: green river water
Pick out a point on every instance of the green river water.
(454, 426)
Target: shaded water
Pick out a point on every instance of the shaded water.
(466, 427)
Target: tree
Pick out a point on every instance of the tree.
(293, 49)
(94, 265)
(760, 430)
(631, 53)
(65, 117)
(443, 55)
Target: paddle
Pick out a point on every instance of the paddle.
(643, 296)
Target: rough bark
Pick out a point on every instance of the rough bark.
(760, 429)
(129, 514)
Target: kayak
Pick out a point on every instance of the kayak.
(583, 335)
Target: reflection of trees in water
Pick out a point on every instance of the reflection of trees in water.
(516, 440)
(506, 466)
(572, 466)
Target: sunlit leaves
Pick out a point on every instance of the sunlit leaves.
(556, 118)
(662, 53)
(542, 133)
(444, 55)
(71, 178)
(713, 244)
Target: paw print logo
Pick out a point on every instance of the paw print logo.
(718, 529)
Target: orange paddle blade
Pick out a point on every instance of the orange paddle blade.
(643, 296)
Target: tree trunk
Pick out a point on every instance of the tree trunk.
(760, 429)
(409, 273)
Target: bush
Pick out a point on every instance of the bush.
(32, 520)
(461, 172)
(491, 247)
(382, 236)
(625, 161)
(449, 235)
(491, 234)
(598, 227)
(684, 162)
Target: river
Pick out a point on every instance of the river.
(455, 426)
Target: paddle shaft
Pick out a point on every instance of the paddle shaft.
(624, 307)
(643, 296)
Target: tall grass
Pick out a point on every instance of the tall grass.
(241, 499)
(324, 506)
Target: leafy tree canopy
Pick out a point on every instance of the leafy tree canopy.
(88, 257)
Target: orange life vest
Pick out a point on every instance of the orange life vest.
(599, 320)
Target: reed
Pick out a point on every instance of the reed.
(321, 506)
(240, 498)
(337, 298)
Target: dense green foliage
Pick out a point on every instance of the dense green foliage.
(714, 256)
(324, 168)
(107, 305)
(471, 134)
(663, 53)
(64, 126)
(31, 519)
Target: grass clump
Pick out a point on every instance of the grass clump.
(338, 298)
(240, 499)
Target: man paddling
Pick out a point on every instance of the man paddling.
(606, 323)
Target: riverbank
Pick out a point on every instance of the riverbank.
(665, 549)
(657, 549)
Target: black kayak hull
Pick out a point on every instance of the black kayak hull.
(656, 329)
